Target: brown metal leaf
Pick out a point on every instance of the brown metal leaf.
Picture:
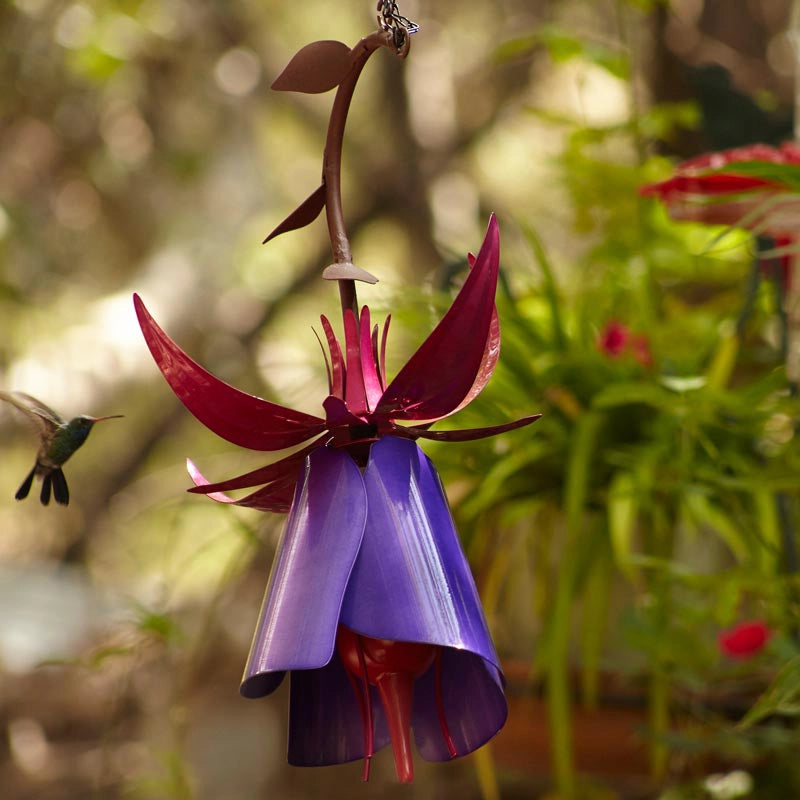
(318, 67)
(303, 215)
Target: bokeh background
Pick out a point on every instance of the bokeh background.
(141, 149)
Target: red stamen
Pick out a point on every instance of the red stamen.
(397, 694)
(366, 721)
(448, 739)
(392, 667)
(369, 741)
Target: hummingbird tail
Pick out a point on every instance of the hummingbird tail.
(60, 488)
(47, 483)
(23, 490)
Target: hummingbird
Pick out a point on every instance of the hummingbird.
(59, 439)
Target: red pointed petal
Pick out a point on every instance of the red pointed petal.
(241, 418)
(376, 356)
(200, 480)
(354, 393)
(464, 435)
(277, 497)
(442, 372)
(372, 383)
(337, 359)
(286, 467)
(384, 335)
(327, 362)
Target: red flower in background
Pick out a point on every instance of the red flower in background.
(740, 186)
(754, 187)
(744, 640)
(617, 340)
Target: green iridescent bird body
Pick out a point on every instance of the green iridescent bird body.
(59, 439)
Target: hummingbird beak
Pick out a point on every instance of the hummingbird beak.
(112, 416)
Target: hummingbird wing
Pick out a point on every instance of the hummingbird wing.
(43, 416)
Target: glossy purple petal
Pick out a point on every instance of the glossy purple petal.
(447, 365)
(241, 418)
(473, 700)
(325, 724)
(297, 625)
(411, 581)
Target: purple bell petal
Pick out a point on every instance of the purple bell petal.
(411, 581)
(472, 701)
(240, 418)
(325, 725)
(457, 358)
(297, 625)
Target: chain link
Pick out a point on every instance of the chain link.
(390, 19)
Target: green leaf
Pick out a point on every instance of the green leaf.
(623, 504)
(706, 513)
(628, 393)
(724, 358)
(596, 599)
(781, 697)
(550, 285)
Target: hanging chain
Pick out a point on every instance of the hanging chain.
(390, 19)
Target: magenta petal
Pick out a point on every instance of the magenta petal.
(337, 360)
(241, 418)
(491, 355)
(201, 483)
(297, 625)
(286, 467)
(369, 370)
(463, 435)
(354, 393)
(442, 372)
(276, 497)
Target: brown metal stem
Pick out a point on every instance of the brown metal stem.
(332, 161)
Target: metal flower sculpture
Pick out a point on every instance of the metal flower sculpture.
(755, 187)
(370, 605)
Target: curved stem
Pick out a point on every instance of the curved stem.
(332, 162)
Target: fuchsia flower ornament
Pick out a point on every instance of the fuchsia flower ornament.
(370, 604)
